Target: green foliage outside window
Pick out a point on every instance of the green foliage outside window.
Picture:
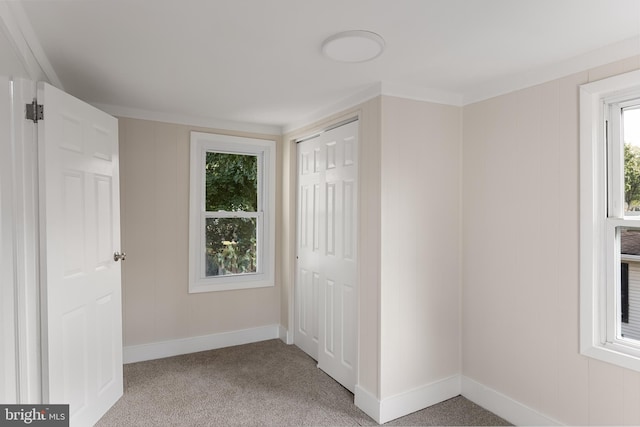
(631, 176)
(231, 185)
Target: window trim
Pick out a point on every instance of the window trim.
(598, 297)
(201, 143)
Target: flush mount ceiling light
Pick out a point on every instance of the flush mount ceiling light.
(353, 46)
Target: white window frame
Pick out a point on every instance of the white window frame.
(201, 143)
(601, 213)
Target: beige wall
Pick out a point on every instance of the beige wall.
(409, 295)
(420, 244)
(154, 173)
(401, 196)
(369, 233)
(468, 225)
(520, 257)
(369, 248)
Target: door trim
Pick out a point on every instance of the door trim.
(29, 234)
(327, 129)
(23, 185)
(9, 391)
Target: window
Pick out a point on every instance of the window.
(231, 214)
(610, 219)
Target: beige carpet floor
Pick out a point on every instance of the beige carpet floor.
(261, 384)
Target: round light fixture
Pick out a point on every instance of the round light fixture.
(353, 46)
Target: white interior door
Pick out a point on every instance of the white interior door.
(326, 282)
(80, 231)
(308, 266)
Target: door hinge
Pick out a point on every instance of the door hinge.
(35, 111)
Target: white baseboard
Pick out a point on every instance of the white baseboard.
(283, 334)
(366, 401)
(504, 406)
(286, 335)
(158, 350)
(408, 402)
(381, 411)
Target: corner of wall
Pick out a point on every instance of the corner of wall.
(402, 404)
(511, 410)
(285, 335)
(369, 404)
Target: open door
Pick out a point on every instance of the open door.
(80, 277)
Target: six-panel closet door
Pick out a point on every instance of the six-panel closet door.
(326, 270)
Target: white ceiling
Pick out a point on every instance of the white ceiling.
(260, 61)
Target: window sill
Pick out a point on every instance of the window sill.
(615, 354)
(214, 286)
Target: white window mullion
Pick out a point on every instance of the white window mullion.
(227, 214)
(610, 290)
(261, 235)
(261, 180)
(615, 162)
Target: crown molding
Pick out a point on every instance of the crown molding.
(28, 49)
(416, 93)
(495, 87)
(605, 55)
(184, 119)
(351, 101)
(380, 88)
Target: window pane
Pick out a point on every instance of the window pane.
(629, 315)
(230, 246)
(631, 136)
(231, 182)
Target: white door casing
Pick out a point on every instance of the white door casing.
(326, 272)
(80, 231)
(25, 163)
(8, 327)
(19, 218)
